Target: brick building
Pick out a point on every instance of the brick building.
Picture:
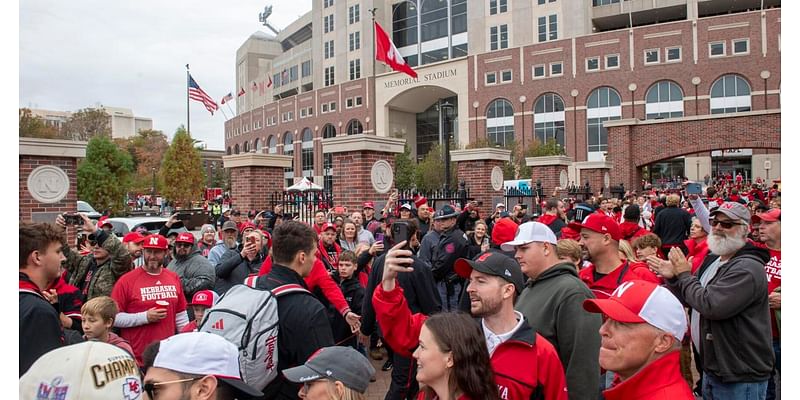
(579, 74)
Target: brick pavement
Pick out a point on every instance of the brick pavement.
(377, 390)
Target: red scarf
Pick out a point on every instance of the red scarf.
(322, 252)
(26, 285)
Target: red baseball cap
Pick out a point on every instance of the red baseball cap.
(504, 230)
(245, 226)
(420, 201)
(133, 237)
(185, 237)
(327, 226)
(103, 221)
(206, 298)
(369, 204)
(599, 223)
(155, 241)
(640, 301)
(768, 216)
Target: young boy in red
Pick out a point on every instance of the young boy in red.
(201, 301)
(97, 318)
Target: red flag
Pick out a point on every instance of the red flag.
(386, 51)
(241, 93)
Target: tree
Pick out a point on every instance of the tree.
(87, 123)
(430, 171)
(182, 171)
(33, 126)
(147, 150)
(104, 175)
(221, 178)
(405, 170)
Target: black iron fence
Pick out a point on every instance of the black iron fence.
(302, 205)
(437, 198)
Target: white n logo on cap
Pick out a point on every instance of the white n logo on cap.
(154, 241)
(620, 290)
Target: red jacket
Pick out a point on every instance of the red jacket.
(660, 380)
(326, 259)
(522, 365)
(697, 250)
(631, 230)
(627, 271)
(318, 278)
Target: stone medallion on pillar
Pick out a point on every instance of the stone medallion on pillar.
(482, 170)
(363, 167)
(551, 171)
(254, 177)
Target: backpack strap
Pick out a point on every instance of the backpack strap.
(251, 280)
(622, 273)
(288, 288)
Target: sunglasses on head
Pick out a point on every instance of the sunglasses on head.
(724, 224)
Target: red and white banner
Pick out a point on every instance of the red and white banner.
(386, 52)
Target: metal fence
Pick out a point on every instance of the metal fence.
(302, 205)
(437, 198)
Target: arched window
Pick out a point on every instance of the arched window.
(328, 131)
(548, 117)
(229, 150)
(500, 123)
(730, 94)
(246, 146)
(354, 127)
(257, 145)
(307, 153)
(272, 145)
(288, 150)
(664, 100)
(236, 148)
(604, 105)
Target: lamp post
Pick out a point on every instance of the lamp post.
(444, 107)
(154, 184)
(574, 94)
(522, 100)
(696, 82)
(475, 105)
(632, 88)
(765, 75)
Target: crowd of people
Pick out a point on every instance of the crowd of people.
(605, 298)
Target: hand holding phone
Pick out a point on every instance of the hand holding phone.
(73, 219)
(400, 232)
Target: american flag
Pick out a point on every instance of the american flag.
(197, 94)
(228, 97)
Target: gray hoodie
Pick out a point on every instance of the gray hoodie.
(195, 271)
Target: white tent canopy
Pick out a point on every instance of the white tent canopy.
(303, 186)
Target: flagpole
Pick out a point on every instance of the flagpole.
(374, 109)
(187, 99)
(229, 108)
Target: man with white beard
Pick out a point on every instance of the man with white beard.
(730, 321)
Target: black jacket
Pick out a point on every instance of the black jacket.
(672, 225)
(233, 269)
(418, 286)
(303, 328)
(735, 324)
(39, 326)
(452, 246)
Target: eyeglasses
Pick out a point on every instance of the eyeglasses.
(150, 388)
(724, 224)
(181, 244)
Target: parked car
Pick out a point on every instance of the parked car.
(152, 224)
(86, 208)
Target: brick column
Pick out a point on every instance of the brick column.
(624, 169)
(595, 172)
(48, 179)
(551, 170)
(475, 167)
(254, 177)
(355, 158)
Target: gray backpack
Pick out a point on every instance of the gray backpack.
(248, 318)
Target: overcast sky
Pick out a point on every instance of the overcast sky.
(132, 54)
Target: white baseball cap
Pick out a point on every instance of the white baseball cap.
(500, 205)
(530, 232)
(642, 301)
(204, 353)
(87, 371)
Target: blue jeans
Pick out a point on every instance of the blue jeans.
(449, 303)
(715, 389)
(771, 385)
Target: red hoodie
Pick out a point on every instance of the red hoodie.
(318, 278)
(123, 344)
(697, 250)
(659, 380)
(522, 365)
(631, 230)
(627, 271)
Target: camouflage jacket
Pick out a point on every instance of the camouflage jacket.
(107, 274)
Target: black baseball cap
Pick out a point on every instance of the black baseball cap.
(339, 363)
(492, 263)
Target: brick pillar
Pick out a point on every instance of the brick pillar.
(552, 171)
(48, 179)
(254, 177)
(363, 168)
(475, 167)
(624, 169)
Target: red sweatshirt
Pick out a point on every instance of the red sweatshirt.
(318, 278)
(522, 364)
(603, 288)
(659, 380)
(697, 250)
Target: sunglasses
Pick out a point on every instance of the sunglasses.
(724, 224)
(151, 388)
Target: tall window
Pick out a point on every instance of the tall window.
(228, 152)
(328, 49)
(329, 76)
(604, 105)
(498, 6)
(498, 37)
(548, 28)
(730, 94)
(305, 68)
(500, 122)
(404, 24)
(327, 3)
(236, 148)
(355, 69)
(355, 40)
(664, 100)
(354, 127)
(328, 131)
(354, 14)
(257, 145)
(307, 153)
(272, 145)
(434, 20)
(327, 23)
(548, 117)
(288, 150)
(246, 146)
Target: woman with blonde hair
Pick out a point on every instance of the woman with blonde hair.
(333, 373)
